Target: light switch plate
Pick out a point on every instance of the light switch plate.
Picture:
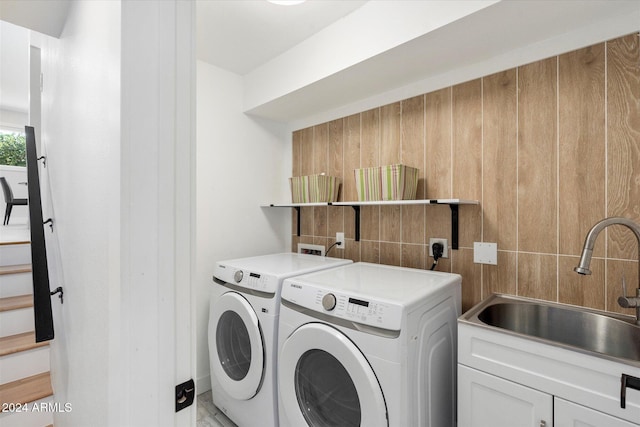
(485, 253)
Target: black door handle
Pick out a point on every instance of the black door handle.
(627, 381)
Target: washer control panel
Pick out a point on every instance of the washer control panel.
(246, 279)
(381, 314)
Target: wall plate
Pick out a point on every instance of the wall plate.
(485, 253)
(307, 248)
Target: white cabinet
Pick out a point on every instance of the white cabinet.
(572, 415)
(486, 400)
(505, 380)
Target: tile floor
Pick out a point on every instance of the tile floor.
(209, 415)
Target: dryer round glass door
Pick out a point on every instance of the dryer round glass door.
(325, 380)
(236, 346)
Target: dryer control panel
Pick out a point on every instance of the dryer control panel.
(354, 308)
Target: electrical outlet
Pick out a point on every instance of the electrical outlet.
(445, 245)
(340, 239)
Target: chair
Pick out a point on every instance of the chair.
(9, 200)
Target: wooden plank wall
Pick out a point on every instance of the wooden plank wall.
(548, 148)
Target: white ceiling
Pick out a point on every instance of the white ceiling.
(44, 16)
(237, 35)
(241, 35)
(501, 36)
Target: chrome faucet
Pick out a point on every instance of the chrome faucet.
(587, 251)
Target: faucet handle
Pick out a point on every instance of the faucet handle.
(623, 301)
(628, 301)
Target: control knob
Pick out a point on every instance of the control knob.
(238, 276)
(329, 302)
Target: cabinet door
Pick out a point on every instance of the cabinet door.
(572, 415)
(486, 400)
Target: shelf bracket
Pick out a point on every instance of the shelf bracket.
(454, 226)
(356, 210)
(297, 208)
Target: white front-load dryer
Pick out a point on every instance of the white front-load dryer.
(368, 345)
(243, 326)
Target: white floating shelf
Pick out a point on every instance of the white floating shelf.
(376, 203)
(408, 202)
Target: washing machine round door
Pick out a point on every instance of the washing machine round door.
(325, 380)
(236, 346)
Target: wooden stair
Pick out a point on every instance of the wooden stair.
(27, 390)
(16, 303)
(20, 342)
(15, 242)
(25, 378)
(15, 269)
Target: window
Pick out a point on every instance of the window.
(13, 148)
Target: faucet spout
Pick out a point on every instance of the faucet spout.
(587, 253)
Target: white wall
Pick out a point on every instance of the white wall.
(241, 163)
(81, 135)
(14, 76)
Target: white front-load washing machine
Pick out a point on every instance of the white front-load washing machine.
(368, 345)
(243, 326)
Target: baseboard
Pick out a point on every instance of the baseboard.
(203, 384)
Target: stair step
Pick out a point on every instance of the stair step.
(19, 342)
(26, 390)
(16, 315)
(14, 235)
(30, 416)
(14, 242)
(24, 364)
(15, 303)
(12, 285)
(13, 254)
(15, 269)
(15, 322)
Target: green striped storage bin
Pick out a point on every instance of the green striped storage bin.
(314, 188)
(390, 182)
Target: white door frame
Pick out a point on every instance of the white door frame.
(157, 213)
